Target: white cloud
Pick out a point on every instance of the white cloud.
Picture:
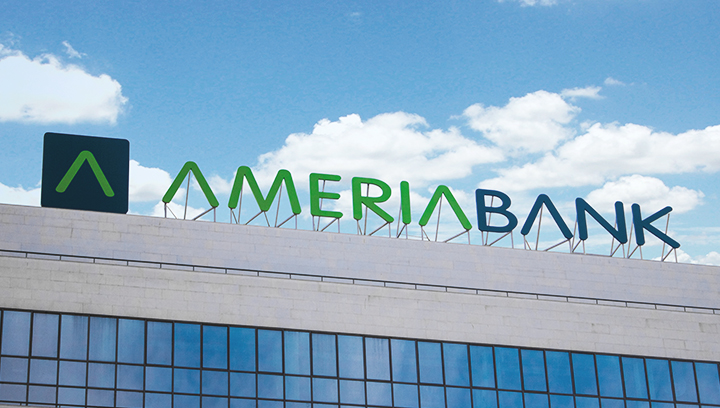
(529, 124)
(610, 81)
(390, 146)
(45, 90)
(148, 183)
(71, 52)
(534, 2)
(608, 151)
(651, 193)
(19, 195)
(713, 258)
(178, 210)
(590, 92)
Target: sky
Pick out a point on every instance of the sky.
(606, 100)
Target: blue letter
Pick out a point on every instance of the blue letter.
(543, 199)
(641, 225)
(581, 206)
(482, 210)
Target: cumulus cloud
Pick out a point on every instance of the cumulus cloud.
(147, 183)
(651, 193)
(607, 151)
(590, 92)
(19, 195)
(391, 146)
(529, 124)
(46, 90)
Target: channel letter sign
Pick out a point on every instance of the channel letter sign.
(85, 173)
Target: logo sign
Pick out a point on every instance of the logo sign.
(85, 173)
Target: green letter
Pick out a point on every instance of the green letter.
(75, 167)
(440, 191)
(316, 195)
(244, 172)
(186, 169)
(405, 202)
(370, 202)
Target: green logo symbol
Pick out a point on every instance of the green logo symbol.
(97, 171)
(85, 173)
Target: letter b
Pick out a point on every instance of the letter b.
(482, 210)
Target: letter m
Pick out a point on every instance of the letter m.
(264, 203)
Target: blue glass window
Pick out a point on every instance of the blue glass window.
(270, 351)
(352, 392)
(634, 373)
(130, 377)
(483, 368)
(186, 401)
(14, 369)
(215, 382)
(131, 341)
(72, 373)
(637, 404)
(214, 402)
(379, 394)
(101, 375)
(242, 349)
(158, 400)
(215, 346)
(457, 369)
(708, 382)
(297, 353)
(41, 395)
(158, 379)
(101, 398)
(430, 361)
(323, 351)
(406, 395)
(510, 399)
(242, 385)
(377, 361)
(585, 402)
(584, 374)
(432, 396)
(350, 357)
(615, 403)
(561, 401)
(457, 397)
(536, 400)
(297, 388)
(159, 343)
(187, 345)
(73, 337)
(43, 371)
(609, 376)
(484, 398)
(507, 364)
(684, 380)
(45, 335)
(659, 379)
(270, 386)
(16, 333)
(186, 381)
(533, 368)
(404, 363)
(71, 396)
(325, 390)
(558, 367)
(127, 399)
(102, 338)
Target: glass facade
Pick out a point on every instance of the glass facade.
(74, 360)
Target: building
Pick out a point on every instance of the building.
(104, 309)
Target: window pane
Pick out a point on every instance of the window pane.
(270, 386)
(458, 397)
(129, 377)
(131, 341)
(42, 395)
(584, 374)
(242, 385)
(561, 401)
(102, 338)
(297, 388)
(352, 392)
(404, 364)
(483, 368)
(431, 396)
(72, 373)
(186, 381)
(510, 399)
(378, 359)
(242, 349)
(558, 367)
(158, 400)
(186, 401)
(536, 400)
(215, 382)
(14, 369)
(129, 399)
(659, 379)
(634, 373)
(684, 379)
(430, 359)
(533, 364)
(406, 396)
(159, 343)
(609, 376)
(45, 335)
(71, 396)
(187, 345)
(325, 390)
(323, 352)
(379, 393)
(350, 356)
(16, 333)
(101, 375)
(13, 393)
(215, 347)
(101, 398)
(158, 379)
(73, 338)
(507, 364)
(708, 383)
(297, 353)
(484, 398)
(270, 351)
(584, 402)
(457, 369)
(43, 371)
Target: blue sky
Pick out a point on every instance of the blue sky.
(601, 99)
